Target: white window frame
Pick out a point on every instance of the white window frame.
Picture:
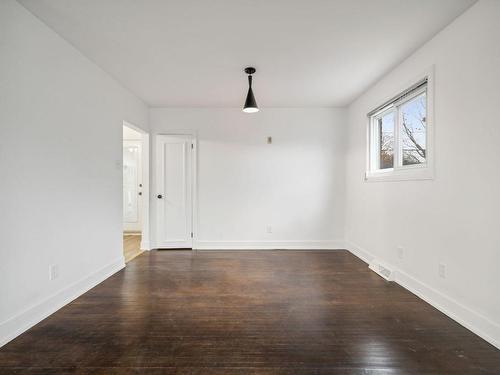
(424, 171)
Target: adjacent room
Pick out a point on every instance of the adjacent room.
(133, 203)
(249, 187)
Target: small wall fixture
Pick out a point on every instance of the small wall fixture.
(250, 103)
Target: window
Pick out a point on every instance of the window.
(399, 135)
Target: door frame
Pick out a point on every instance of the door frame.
(194, 180)
(145, 156)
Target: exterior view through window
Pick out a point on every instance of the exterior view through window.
(413, 134)
(386, 125)
(398, 132)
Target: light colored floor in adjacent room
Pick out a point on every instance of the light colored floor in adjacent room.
(131, 246)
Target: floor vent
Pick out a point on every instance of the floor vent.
(382, 269)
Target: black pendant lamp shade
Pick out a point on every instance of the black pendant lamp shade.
(250, 103)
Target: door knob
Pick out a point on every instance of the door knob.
(140, 193)
(160, 196)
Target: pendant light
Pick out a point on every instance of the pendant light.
(250, 103)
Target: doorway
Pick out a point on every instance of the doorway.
(174, 191)
(135, 191)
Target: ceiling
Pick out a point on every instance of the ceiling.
(191, 53)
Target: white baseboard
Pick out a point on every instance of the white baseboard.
(362, 254)
(269, 245)
(466, 316)
(470, 319)
(26, 319)
(145, 245)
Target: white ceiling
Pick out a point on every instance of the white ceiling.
(191, 53)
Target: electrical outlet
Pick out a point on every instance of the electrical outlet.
(269, 229)
(442, 270)
(53, 272)
(401, 252)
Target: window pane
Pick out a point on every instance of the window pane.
(386, 142)
(413, 130)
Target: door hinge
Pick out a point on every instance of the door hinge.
(191, 234)
(192, 146)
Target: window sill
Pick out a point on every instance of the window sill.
(403, 174)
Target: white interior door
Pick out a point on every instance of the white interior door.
(132, 184)
(173, 196)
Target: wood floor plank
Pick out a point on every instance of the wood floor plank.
(248, 312)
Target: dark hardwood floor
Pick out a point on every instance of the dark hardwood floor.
(248, 312)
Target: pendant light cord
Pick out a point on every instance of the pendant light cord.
(250, 80)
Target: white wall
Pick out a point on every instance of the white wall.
(295, 184)
(60, 191)
(452, 219)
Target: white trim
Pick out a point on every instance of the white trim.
(466, 316)
(424, 171)
(146, 183)
(145, 245)
(270, 245)
(417, 172)
(357, 251)
(384, 270)
(470, 319)
(194, 188)
(13, 327)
